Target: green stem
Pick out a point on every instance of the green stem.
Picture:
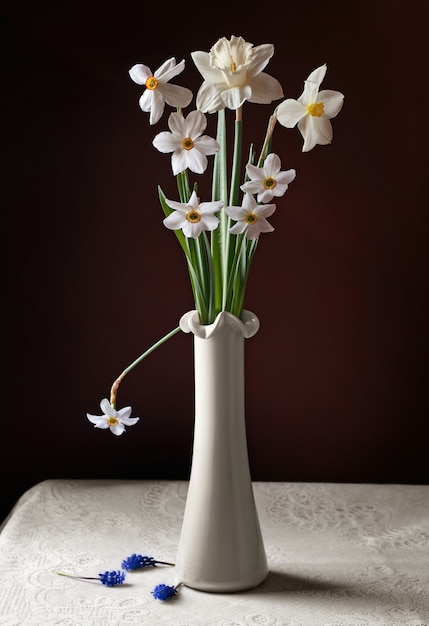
(239, 294)
(228, 255)
(233, 273)
(114, 389)
(219, 192)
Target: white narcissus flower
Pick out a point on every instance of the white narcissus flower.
(187, 143)
(232, 73)
(115, 420)
(251, 217)
(193, 217)
(312, 111)
(158, 89)
(268, 181)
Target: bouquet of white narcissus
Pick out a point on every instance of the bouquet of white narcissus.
(219, 236)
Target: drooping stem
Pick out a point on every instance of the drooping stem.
(115, 386)
(267, 141)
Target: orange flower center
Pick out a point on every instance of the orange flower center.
(251, 218)
(193, 216)
(187, 143)
(151, 83)
(270, 183)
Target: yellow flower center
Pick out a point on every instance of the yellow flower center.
(251, 218)
(270, 183)
(193, 216)
(316, 109)
(233, 65)
(151, 83)
(187, 143)
(112, 421)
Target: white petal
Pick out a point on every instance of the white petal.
(196, 123)
(290, 112)
(261, 55)
(265, 89)
(193, 201)
(315, 130)
(202, 61)
(207, 144)
(197, 161)
(157, 107)
(145, 101)
(129, 421)
(209, 98)
(332, 102)
(272, 165)
(177, 206)
(265, 210)
(236, 96)
(210, 222)
(99, 420)
(174, 95)
(249, 202)
(235, 212)
(309, 95)
(166, 142)
(169, 69)
(210, 207)
(174, 221)
(318, 74)
(104, 425)
(124, 413)
(192, 230)
(263, 226)
(179, 161)
(286, 177)
(255, 173)
(140, 73)
(118, 429)
(266, 195)
(238, 228)
(107, 408)
(252, 186)
(280, 190)
(324, 129)
(177, 125)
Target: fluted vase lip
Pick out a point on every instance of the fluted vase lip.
(248, 323)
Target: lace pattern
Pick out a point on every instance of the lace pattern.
(339, 555)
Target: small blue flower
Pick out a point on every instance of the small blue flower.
(111, 579)
(164, 592)
(138, 561)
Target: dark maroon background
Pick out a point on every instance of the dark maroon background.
(337, 375)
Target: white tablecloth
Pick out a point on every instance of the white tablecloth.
(339, 555)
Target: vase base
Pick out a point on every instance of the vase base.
(222, 586)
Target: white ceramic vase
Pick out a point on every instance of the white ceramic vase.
(221, 547)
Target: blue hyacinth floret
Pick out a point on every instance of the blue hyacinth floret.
(111, 579)
(137, 561)
(164, 592)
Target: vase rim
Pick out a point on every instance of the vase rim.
(248, 323)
